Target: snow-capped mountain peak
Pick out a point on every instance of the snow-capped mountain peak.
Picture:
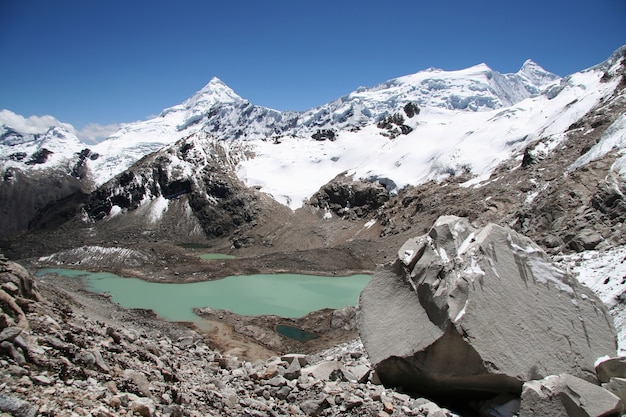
(215, 92)
(529, 67)
(462, 120)
(535, 77)
(217, 110)
(54, 147)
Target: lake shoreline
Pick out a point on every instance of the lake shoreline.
(247, 336)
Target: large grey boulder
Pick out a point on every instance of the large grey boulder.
(478, 312)
(612, 373)
(607, 368)
(566, 395)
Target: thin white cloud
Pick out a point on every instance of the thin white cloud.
(94, 132)
(90, 133)
(32, 124)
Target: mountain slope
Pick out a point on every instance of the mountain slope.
(405, 132)
(39, 169)
(217, 110)
(57, 156)
(552, 166)
(195, 175)
(54, 147)
(439, 142)
(464, 150)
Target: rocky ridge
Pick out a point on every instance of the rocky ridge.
(542, 192)
(57, 156)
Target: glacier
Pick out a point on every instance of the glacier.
(468, 122)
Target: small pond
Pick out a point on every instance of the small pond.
(214, 256)
(295, 333)
(284, 295)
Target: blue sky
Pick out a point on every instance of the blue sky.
(109, 62)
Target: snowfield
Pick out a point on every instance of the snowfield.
(605, 273)
(469, 121)
(443, 142)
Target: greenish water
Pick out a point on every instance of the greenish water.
(285, 295)
(213, 256)
(295, 333)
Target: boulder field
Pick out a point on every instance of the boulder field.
(474, 313)
(465, 319)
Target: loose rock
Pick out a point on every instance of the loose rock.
(566, 395)
(464, 311)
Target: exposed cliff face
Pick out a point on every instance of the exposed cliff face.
(351, 198)
(195, 175)
(25, 198)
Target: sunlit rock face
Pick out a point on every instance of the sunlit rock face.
(469, 311)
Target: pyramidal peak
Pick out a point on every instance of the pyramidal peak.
(529, 64)
(534, 73)
(216, 91)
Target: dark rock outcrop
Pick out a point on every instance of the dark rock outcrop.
(323, 134)
(195, 170)
(346, 196)
(411, 109)
(39, 157)
(25, 197)
(80, 169)
(474, 313)
(393, 124)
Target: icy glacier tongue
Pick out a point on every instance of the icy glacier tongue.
(132, 143)
(443, 141)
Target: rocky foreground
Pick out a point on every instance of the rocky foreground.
(75, 354)
(478, 320)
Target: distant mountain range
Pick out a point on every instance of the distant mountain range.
(406, 131)
(219, 111)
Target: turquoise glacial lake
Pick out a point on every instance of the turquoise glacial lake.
(284, 295)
